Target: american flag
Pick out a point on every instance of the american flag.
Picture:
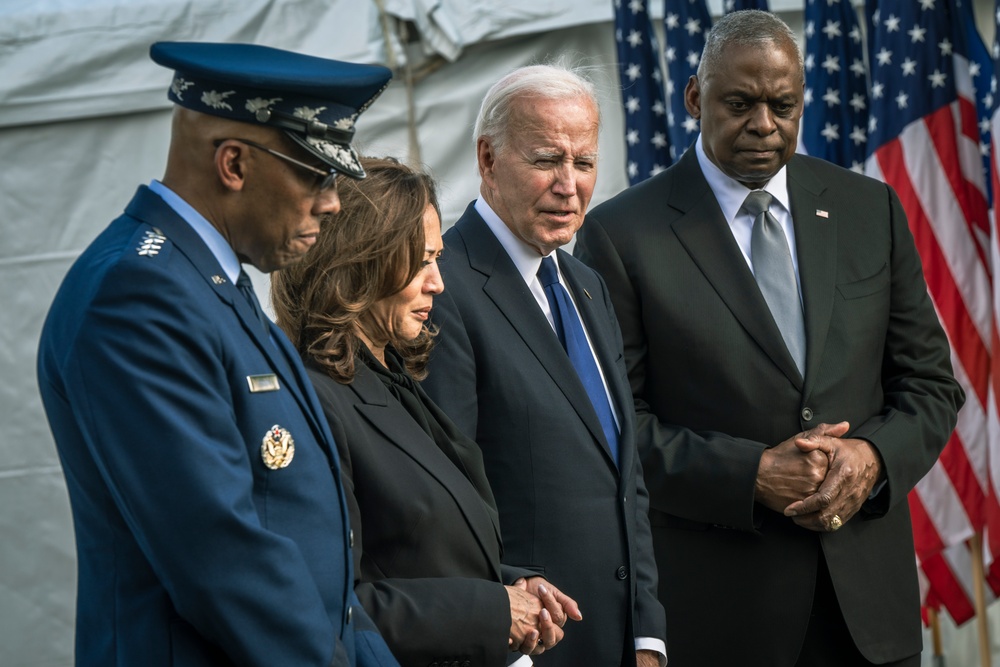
(924, 141)
(685, 24)
(735, 5)
(981, 70)
(835, 120)
(647, 143)
(992, 532)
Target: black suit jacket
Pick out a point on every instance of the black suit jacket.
(426, 536)
(566, 511)
(714, 385)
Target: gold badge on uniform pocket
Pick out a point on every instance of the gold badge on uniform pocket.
(278, 448)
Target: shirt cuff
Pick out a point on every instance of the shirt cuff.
(652, 644)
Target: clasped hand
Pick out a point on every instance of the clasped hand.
(538, 612)
(816, 475)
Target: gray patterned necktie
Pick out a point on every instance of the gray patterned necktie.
(772, 267)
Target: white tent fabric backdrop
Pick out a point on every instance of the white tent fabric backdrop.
(84, 120)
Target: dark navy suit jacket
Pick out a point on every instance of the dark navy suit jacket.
(566, 510)
(191, 551)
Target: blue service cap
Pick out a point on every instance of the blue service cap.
(314, 100)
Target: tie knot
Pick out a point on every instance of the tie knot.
(757, 202)
(243, 282)
(547, 273)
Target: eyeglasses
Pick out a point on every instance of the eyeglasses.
(329, 178)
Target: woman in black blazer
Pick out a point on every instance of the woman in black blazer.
(426, 533)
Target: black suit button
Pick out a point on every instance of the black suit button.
(807, 414)
(622, 573)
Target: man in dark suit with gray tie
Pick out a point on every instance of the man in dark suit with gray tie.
(761, 293)
(529, 364)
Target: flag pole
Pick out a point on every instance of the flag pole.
(937, 659)
(978, 581)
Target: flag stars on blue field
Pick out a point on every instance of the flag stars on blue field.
(685, 25)
(642, 91)
(832, 129)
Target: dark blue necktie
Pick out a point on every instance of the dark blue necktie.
(246, 289)
(573, 338)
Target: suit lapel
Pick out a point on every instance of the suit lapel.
(816, 243)
(150, 208)
(392, 421)
(705, 234)
(506, 289)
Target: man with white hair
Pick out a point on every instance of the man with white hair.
(529, 364)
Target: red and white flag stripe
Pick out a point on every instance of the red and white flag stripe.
(935, 167)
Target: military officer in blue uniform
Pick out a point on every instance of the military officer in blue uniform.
(210, 518)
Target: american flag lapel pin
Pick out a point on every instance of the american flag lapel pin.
(820, 213)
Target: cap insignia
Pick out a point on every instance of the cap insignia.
(179, 86)
(260, 104)
(216, 100)
(307, 113)
(344, 124)
(338, 152)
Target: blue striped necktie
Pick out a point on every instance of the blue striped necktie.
(569, 328)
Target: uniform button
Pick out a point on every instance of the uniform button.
(622, 572)
(350, 613)
(807, 414)
(350, 540)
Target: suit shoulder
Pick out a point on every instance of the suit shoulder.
(833, 175)
(453, 240)
(125, 258)
(570, 263)
(640, 195)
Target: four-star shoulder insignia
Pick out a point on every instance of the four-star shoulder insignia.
(151, 243)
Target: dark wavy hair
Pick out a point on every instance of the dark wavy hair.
(369, 251)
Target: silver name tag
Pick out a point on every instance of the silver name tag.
(259, 383)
